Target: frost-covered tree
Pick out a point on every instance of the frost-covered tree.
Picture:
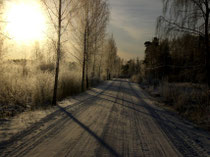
(59, 13)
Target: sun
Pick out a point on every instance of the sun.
(26, 20)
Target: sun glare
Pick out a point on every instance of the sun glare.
(25, 21)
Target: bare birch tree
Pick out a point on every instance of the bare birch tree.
(101, 16)
(111, 57)
(59, 11)
(91, 24)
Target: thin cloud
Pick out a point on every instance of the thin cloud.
(132, 23)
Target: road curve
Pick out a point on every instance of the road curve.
(115, 119)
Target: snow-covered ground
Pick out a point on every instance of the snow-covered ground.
(115, 119)
(12, 126)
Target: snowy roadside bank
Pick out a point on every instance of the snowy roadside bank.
(10, 127)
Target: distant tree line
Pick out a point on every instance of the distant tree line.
(178, 60)
(131, 67)
(186, 21)
(180, 52)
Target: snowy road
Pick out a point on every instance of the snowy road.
(115, 119)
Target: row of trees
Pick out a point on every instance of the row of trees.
(178, 60)
(180, 52)
(131, 68)
(157, 59)
(181, 17)
(89, 38)
(79, 28)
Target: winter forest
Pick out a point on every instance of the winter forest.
(105, 78)
(75, 54)
(176, 64)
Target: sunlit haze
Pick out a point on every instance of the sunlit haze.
(26, 21)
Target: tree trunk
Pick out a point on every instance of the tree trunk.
(207, 43)
(94, 65)
(84, 61)
(99, 68)
(108, 74)
(94, 57)
(87, 55)
(87, 76)
(58, 56)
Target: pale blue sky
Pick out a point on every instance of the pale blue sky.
(133, 22)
